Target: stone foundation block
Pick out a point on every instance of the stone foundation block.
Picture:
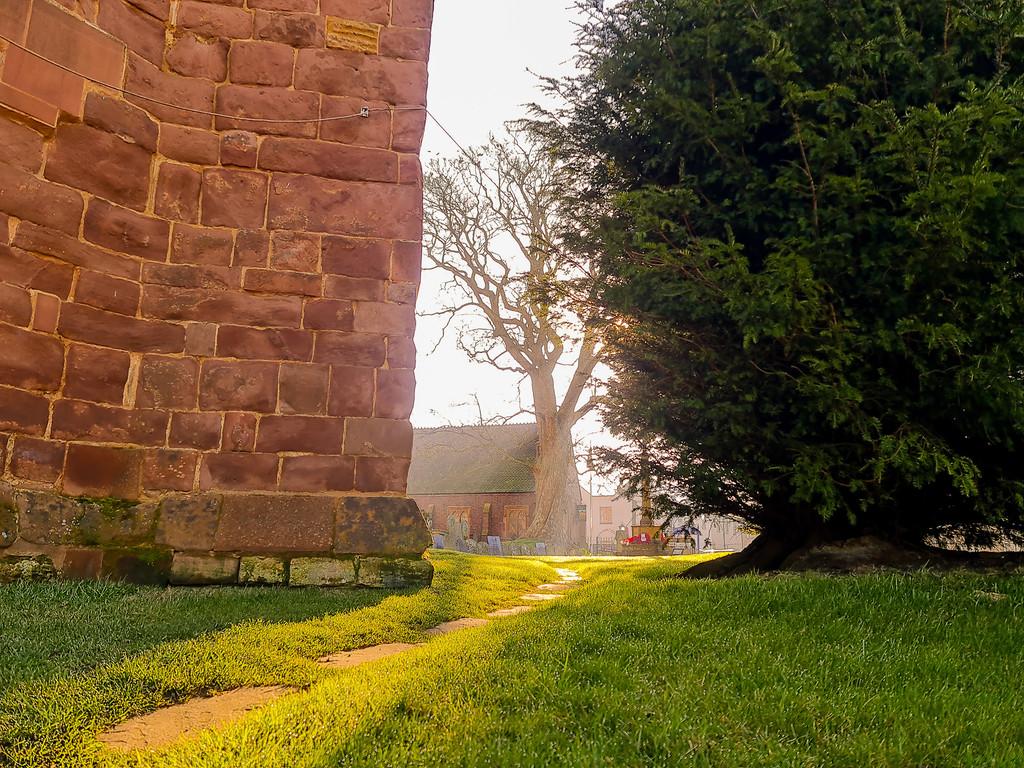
(143, 565)
(47, 518)
(394, 573)
(262, 570)
(198, 570)
(8, 524)
(82, 564)
(380, 525)
(188, 523)
(38, 568)
(321, 572)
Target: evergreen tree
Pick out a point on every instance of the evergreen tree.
(808, 216)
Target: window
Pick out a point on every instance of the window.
(606, 515)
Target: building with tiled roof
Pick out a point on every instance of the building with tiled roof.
(475, 481)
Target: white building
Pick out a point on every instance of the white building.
(607, 515)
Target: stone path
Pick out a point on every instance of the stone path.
(167, 725)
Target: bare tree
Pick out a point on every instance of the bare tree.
(492, 226)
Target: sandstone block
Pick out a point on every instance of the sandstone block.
(46, 314)
(103, 471)
(403, 293)
(195, 56)
(252, 249)
(394, 573)
(167, 382)
(300, 434)
(328, 315)
(80, 420)
(8, 522)
(20, 193)
(192, 276)
(377, 11)
(295, 251)
(242, 101)
(405, 43)
(239, 472)
(347, 73)
(303, 389)
(328, 159)
(373, 210)
(396, 394)
(239, 433)
(15, 305)
(355, 288)
(126, 231)
(239, 148)
(40, 79)
(142, 33)
(299, 30)
(317, 474)
(96, 374)
(380, 526)
(35, 459)
(349, 349)
(412, 13)
(94, 326)
(264, 343)
(197, 570)
(110, 293)
(372, 131)
(279, 281)
(192, 92)
(348, 35)
(381, 474)
(82, 564)
(201, 245)
(71, 250)
(121, 119)
(30, 360)
(188, 523)
(195, 430)
(262, 63)
(351, 391)
(408, 130)
(23, 412)
(63, 38)
(189, 145)
(389, 319)
(20, 146)
(177, 193)
(378, 437)
(23, 269)
(321, 572)
(167, 469)
(200, 339)
(234, 198)
(219, 306)
(356, 257)
(407, 262)
(92, 160)
(49, 518)
(141, 565)
(262, 570)
(211, 20)
(275, 523)
(243, 386)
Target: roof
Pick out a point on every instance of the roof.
(487, 459)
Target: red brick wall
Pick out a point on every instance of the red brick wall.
(496, 521)
(194, 303)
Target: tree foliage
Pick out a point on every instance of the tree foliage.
(808, 216)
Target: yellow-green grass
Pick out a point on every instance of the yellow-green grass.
(634, 668)
(54, 720)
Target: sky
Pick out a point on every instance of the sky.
(482, 55)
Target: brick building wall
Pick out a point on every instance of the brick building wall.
(208, 317)
(480, 526)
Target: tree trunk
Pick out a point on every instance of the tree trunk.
(555, 473)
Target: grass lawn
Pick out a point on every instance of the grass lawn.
(632, 669)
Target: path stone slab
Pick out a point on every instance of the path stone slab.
(349, 659)
(561, 587)
(454, 626)
(172, 723)
(541, 598)
(515, 610)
